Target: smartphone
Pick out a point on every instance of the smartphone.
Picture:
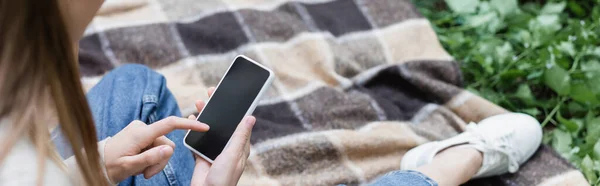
(235, 97)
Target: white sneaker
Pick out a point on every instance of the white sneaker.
(506, 141)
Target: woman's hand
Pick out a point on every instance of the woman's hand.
(229, 165)
(143, 149)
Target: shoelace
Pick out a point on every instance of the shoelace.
(500, 145)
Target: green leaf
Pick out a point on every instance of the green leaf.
(504, 7)
(495, 25)
(488, 46)
(505, 51)
(554, 8)
(524, 94)
(576, 107)
(562, 141)
(593, 126)
(567, 47)
(570, 125)
(463, 6)
(547, 23)
(593, 129)
(481, 19)
(595, 51)
(587, 167)
(547, 20)
(591, 66)
(484, 6)
(524, 37)
(543, 28)
(535, 75)
(548, 138)
(582, 93)
(596, 151)
(592, 83)
(512, 74)
(558, 79)
(531, 111)
(576, 8)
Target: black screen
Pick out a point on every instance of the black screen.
(228, 106)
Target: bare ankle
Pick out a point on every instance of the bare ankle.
(464, 160)
(462, 150)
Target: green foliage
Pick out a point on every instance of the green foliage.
(535, 57)
(463, 6)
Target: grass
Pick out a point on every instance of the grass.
(537, 57)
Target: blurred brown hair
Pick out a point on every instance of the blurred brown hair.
(40, 80)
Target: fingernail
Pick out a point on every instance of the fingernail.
(249, 120)
(206, 125)
(163, 151)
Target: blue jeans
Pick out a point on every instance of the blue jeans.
(403, 178)
(135, 92)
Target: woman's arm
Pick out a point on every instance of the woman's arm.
(21, 166)
(73, 169)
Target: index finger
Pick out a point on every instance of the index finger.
(171, 123)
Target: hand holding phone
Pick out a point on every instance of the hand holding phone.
(235, 97)
(227, 143)
(228, 167)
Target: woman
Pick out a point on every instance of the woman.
(39, 85)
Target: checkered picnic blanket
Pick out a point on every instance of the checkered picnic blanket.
(358, 82)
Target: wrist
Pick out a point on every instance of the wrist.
(108, 174)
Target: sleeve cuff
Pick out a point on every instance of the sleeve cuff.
(101, 146)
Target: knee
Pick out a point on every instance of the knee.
(134, 71)
(131, 69)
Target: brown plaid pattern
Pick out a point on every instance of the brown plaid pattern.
(358, 82)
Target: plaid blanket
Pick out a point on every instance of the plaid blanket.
(358, 82)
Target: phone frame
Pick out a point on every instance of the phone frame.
(262, 91)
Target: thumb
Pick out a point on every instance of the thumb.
(241, 137)
(149, 157)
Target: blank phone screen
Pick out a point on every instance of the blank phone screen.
(228, 106)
